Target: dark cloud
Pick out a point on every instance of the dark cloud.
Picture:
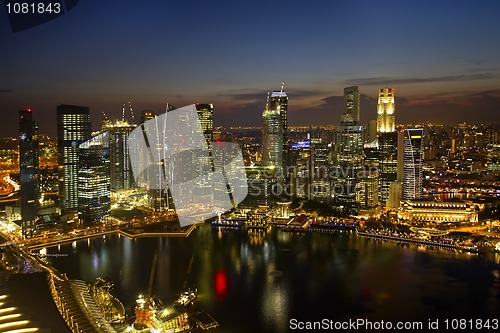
(4, 91)
(393, 81)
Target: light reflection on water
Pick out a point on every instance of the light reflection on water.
(257, 282)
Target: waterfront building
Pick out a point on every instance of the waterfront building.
(73, 128)
(455, 211)
(94, 179)
(412, 167)
(367, 189)
(258, 218)
(28, 162)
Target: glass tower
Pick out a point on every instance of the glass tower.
(94, 179)
(28, 160)
(73, 128)
(412, 167)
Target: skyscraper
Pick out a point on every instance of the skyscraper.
(120, 168)
(387, 142)
(204, 163)
(349, 160)
(388, 163)
(279, 102)
(272, 137)
(412, 167)
(386, 108)
(94, 179)
(351, 102)
(73, 128)
(28, 160)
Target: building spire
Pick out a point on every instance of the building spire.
(267, 102)
(282, 85)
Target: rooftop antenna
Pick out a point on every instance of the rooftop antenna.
(123, 112)
(267, 102)
(282, 85)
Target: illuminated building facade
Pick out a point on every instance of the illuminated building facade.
(320, 188)
(367, 189)
(412, 163)
(120, 169)
(94, 179)
(203, 162)
(272, 140)
(437, 212)
(387, 142)
(28, 160)
(278, 101)
(349, 160)
(386, 108)
(73, 128)
(388, 163)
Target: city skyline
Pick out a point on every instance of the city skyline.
(441, 59)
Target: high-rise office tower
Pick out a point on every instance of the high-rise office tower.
(278, 101)
(388, 163)
(351, 102)
(387, 142)
(203, 162)
(73, 128)
(28, 160)
(94, 179)
(320, 180)
(349, 160)
(412, 167)
(120, 167)
(386, 108)
(272, 138)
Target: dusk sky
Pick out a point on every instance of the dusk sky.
(441, 57)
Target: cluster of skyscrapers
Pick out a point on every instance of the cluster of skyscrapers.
(356, 170)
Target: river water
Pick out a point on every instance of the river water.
(259, 282)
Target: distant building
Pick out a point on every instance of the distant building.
(73, 128)
(437, 212)
(412, 167)
(94, 179)
(351, 102)
(386, 122)
(28, 160)
(146, 115)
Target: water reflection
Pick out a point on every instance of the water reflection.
(257, 281)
